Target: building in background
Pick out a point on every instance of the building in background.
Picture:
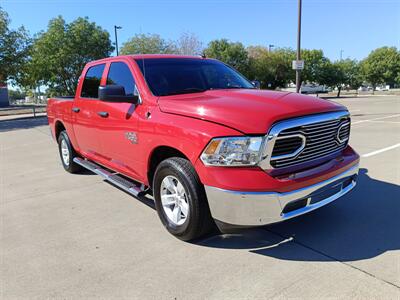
(3, 95)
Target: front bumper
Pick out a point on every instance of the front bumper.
(261, 208)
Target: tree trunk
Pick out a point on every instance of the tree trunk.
(38, 91)
(338, 91)
(34, 95)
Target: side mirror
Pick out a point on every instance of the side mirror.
(116, 93)
(256, 84)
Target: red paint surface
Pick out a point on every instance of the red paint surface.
(186, 123)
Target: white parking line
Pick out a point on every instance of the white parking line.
(381, 150)
(386, 122)
(381, 118)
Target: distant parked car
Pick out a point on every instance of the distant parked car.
(383, 87)
(313, 89)
(364, 88)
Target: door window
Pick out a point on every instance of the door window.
(120, 74)
(91, 83)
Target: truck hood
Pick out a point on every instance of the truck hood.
(246, 110)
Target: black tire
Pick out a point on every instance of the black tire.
(198, 221)
(71, 166)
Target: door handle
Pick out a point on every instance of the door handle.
(76, 109)
(103, 114)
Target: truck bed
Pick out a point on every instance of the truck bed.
(63, 98)
(59, 108)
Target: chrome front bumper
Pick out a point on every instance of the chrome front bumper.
(261, 208)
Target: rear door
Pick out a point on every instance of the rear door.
(118, 123)
(84, 112)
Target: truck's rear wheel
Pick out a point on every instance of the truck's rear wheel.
(67, 153)
(180, 199)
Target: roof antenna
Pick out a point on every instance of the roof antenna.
(141, 52)
(144, 68)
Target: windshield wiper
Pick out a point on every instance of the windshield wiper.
(233, 87)
(237, 87)
(185, 91)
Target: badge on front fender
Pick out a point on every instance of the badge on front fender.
(132, 137)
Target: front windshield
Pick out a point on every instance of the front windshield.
(172, 76)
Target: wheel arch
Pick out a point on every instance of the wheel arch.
(58, 128)
(159, 154)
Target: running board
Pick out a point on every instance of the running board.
(129, 186)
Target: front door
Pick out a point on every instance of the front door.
(118, 124)
(84, 112)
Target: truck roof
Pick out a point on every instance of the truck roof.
(140, 56)
(146, 56)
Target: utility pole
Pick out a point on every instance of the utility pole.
(298, 56)
(341, 54)
(270, 47)
(116, 37)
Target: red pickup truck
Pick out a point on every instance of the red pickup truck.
(204, 141)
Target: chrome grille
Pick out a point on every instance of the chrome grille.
(323, 134)
(287, 145)
(344, 132)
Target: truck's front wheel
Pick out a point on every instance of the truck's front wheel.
(67, 153)
(180, 199)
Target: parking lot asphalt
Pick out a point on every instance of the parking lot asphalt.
(75, 236)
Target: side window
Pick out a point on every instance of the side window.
(119, 74)
(90, 88)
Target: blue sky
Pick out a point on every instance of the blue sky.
(355, 26)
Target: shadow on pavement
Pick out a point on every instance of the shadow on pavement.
(23, 123)
(145, 199)
(363, 224)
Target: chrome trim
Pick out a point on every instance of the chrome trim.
(139, 96)
(338, 132)
(272, 136)
(303, 138)
(261, 208)
(130, 187)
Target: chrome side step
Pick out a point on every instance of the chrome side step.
(129, 186)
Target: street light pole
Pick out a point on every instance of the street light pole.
(116, 37)
(298, 56)
(270, 47)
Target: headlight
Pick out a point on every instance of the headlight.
(233, 151)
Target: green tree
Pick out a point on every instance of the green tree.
(189, 44)
(331, 75)
(315, 65)
(233, 54)
(339, 74)
(351, 74)
(148, 44)
(382, 66)
(59, 54)
(14, 48)
(271, 68)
